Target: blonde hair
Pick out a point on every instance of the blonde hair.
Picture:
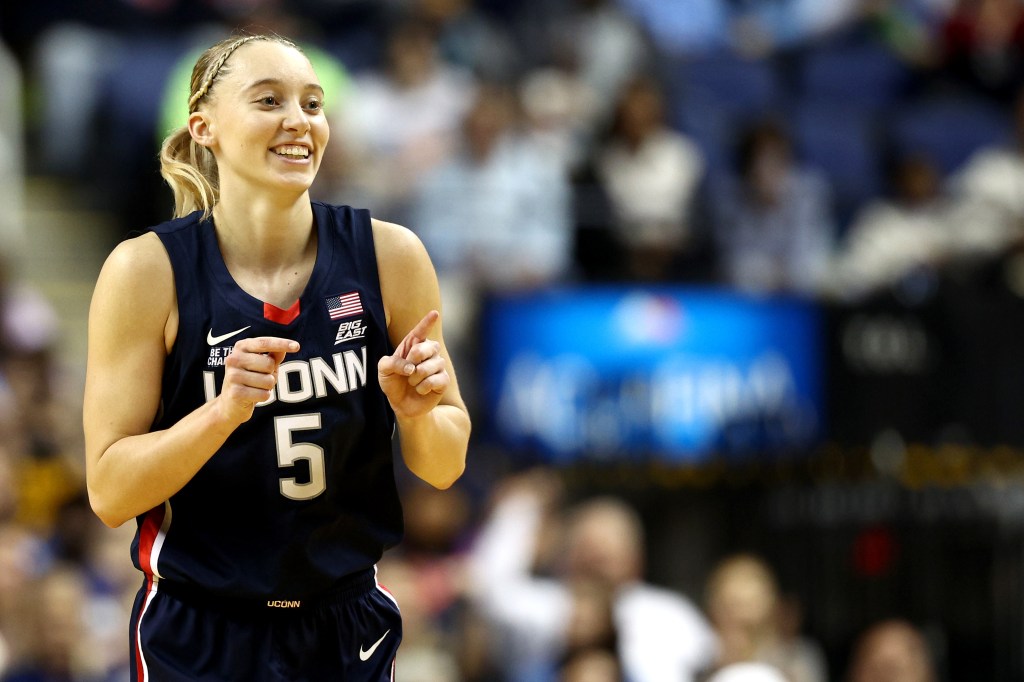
(188, 167)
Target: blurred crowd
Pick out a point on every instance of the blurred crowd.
(769, 145)
(836, 150)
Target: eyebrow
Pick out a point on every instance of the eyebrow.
(277, 81)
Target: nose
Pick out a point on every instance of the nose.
(295, 119)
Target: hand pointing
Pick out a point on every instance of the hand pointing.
(415, 376)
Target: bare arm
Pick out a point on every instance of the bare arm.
(132, 324)
(419, 379)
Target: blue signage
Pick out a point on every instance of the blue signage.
(675, 374)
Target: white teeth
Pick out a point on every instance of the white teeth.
(292, 150)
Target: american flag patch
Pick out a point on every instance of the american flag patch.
(344, 305)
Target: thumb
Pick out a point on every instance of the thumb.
(390, 365)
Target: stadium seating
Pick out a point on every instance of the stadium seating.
(948, 129)
(713, 96)
(859, 75)
(843, 143)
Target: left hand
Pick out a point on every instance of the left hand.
(415, 376)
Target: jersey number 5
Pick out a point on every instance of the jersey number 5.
(289, 452)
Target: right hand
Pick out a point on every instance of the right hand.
(250, 374)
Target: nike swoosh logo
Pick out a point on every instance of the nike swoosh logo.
(365, 655)
(214, 340)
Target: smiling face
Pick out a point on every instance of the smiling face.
(263, 119)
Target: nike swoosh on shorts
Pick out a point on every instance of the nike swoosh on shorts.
(365, 655)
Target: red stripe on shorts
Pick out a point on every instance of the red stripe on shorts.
(147, 537)
(140, 666)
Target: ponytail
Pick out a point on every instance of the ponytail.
(190, 170)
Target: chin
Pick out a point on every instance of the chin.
(294, 184)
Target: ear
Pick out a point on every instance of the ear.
(201, 128)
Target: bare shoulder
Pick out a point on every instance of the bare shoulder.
(408, 283)
(137, 279)
(395, 242)
(140, 259)
(401, 255)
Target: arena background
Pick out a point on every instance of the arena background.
(841, 397)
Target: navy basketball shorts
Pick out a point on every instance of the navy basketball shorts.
(179, 634)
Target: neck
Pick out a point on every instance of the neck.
(268, 249)
(264, 234)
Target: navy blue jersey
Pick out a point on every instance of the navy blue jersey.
(303, 493)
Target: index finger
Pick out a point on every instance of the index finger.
(267, 344)
(423, 328)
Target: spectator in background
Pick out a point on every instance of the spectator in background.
(743, 603)
(70, 61)
(908, 27)
(650, 175)
(989, 194)
(113, 582)
(762, 27)
(403, 124)
(31, 427)
(8, 489)
(773, 228)
(555, 108)
(660, 635)
(891, 651)
(755, 28)
(590, 651)
(428, 653)
(591, 665)
(591, 639)
(12, 160)
(75, 56)
(684, 27)
(57, 611)
(982, 46)
(19, 337)
(62, 613)
(498, 209)
(28, 344)
(495, 217)
(892, 238)
(747, 672)
(65, 563)
(605, 49)
(427, 575)
(19, 551)
(467, 38)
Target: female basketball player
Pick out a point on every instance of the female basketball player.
(231, 405)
